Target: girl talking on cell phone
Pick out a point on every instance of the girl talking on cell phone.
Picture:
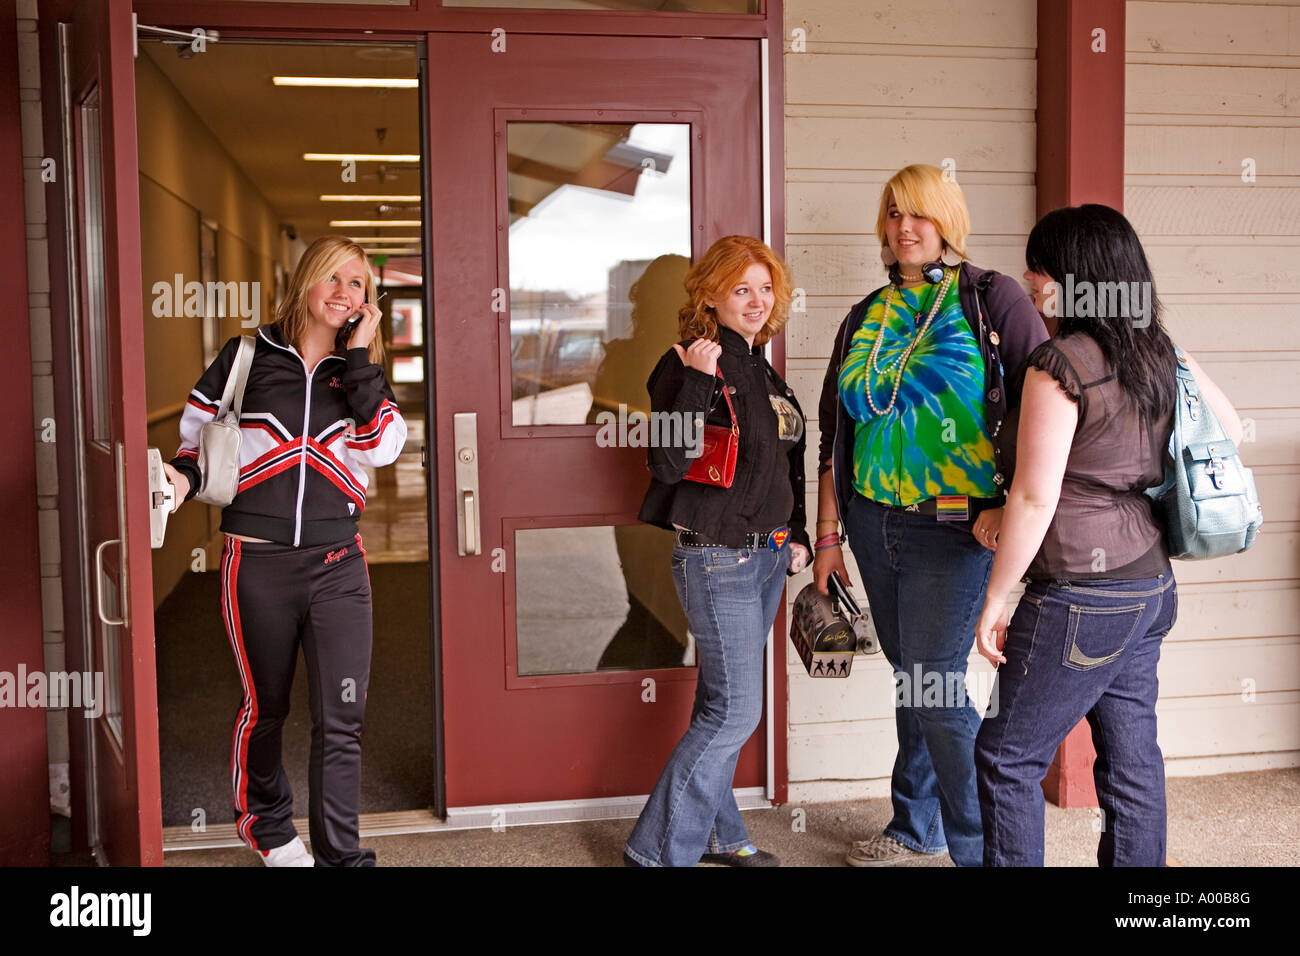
(317, 409)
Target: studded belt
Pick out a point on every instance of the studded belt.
(749, 539)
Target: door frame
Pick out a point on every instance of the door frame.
(25, 832)
(136, 838)
(480, 114)
(285, 22)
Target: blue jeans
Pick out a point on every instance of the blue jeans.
(1078, 649)
(730, 597)
(925, 582)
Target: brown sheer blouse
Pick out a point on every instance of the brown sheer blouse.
(1104, 526)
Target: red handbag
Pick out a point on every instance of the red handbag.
(716, 464)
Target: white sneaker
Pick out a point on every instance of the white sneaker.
(292, 853)
(878, 851)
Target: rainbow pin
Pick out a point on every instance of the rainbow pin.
(952, 507)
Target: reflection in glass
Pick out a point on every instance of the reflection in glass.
(409, 369)
(110, 648)
(94, 292)
(406, 350)
(408, 321)
(600, 238)
(597, 598)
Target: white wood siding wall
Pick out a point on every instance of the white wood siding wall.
(1210, 85)
(881, 84)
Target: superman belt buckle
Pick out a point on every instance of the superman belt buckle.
(777, 539)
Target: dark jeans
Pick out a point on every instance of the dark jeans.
(1077, 649)
(925, 582)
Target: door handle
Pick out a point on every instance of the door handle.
(99, 584)
(469, 508)
(468, 524)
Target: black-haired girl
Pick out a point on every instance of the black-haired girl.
(1088, 439)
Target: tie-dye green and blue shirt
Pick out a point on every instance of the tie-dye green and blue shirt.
(935, 440)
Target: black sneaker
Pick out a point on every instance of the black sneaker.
(757, 858)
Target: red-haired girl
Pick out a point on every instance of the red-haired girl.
(734, 544)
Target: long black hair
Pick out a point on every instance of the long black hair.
(1096, 244)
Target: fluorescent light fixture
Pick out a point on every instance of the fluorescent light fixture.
(391, 252)
(362, 240)
(377, 82)
(374, 222)
(361, 198)
(362, 157)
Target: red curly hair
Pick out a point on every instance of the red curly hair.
(717, 273)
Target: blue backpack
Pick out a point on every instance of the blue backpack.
(1208, 500)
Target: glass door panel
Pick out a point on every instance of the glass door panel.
(592, 207)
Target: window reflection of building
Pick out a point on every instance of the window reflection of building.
(600, 234)
(591, 205)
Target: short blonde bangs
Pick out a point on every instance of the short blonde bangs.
(921, 190)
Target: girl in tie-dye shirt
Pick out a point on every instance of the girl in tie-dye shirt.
(921, 374)
(934, 441)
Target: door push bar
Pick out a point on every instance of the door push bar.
(465, 441)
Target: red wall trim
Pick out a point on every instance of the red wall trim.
(1080, 160)
(24, 760)
(1080, 104)
(427, 16)
(780, 716)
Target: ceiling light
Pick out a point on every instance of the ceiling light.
(383, 82)
(362, 240)
(391, 252)
(362, 157)
(362, 198)
(374, 222)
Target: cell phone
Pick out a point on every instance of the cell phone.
(345, 333)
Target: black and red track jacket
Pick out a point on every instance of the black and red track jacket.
(304, 439)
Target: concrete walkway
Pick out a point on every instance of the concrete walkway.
(1243, 819)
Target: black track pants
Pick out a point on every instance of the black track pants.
(274, 596)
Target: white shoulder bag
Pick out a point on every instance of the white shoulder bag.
(219, 439)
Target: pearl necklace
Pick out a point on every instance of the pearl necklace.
(900, 363)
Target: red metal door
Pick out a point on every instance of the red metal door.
(98, 74)
(508, 116)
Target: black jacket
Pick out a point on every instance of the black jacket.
(1007, 327)
(303, 440)
(709, 509)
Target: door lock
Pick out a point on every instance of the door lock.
(465, 441)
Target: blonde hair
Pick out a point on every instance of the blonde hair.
(920, 190)
(714, 276)
(317, 264)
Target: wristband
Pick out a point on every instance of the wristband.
(826, 541)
